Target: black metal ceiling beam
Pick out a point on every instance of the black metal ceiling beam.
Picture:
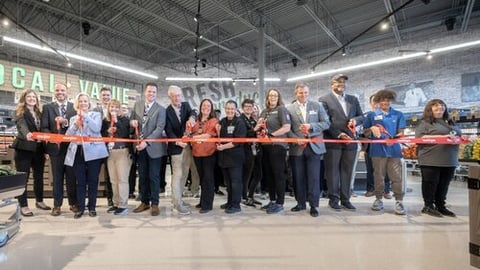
(393, 22)
(169, 22)
(363, 32)
(24, 28)
(253, 27)
(109, 29)
(466, 15)
(327, 23)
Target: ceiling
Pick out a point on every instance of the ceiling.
(164, 33)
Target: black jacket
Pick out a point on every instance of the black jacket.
(26, 124)
(175, 128)
(232, 157)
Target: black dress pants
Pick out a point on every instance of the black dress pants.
(274, 161)
(435, 182)
(24, 160)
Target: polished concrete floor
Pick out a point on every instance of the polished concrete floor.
(249, 240)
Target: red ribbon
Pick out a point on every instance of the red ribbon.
(51, 137)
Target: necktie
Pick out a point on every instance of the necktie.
(63, 110)
(147, 107)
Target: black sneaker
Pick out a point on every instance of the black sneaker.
(233, 210)
(432, 211)
(446, 212)
(275, 208)
(266, 206)
(112, 209)
(249, 202)
(219, 192)
(224, 206)
(120, 211)
(204, 211)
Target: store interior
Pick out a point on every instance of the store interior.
(229, 49)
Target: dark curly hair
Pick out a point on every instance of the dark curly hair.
(385, 94)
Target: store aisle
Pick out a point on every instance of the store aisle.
(249, 240)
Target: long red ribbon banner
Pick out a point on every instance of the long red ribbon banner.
(56, 138)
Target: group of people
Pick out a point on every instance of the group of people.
(336, 115)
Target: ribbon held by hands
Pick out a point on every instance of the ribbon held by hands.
(351, 127)
(58, 120)
(80, 121)
(51, 137)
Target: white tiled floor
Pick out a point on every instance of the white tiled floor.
(249, 240)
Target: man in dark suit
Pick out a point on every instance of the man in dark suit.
(308, 120)
(345, 114)
(180, 117)
(149, 117)
(55, 119)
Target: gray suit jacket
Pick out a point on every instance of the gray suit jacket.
(152, 128)
(339, 120)
(318, 119)
(100, 110)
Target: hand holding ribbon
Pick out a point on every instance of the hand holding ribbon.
(79, 122)
(352, 127)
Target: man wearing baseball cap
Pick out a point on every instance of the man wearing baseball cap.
(345, 114)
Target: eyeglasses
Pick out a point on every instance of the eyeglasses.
(273, 95)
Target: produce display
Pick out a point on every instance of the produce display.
(410, 151)
(7, 170)
(476, 150)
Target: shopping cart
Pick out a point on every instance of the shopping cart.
(10, 187)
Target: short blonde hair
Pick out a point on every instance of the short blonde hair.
(75, 103)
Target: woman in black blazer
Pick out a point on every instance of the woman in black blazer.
(231, 156)
(29, 153)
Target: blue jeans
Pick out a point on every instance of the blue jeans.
(149, 177)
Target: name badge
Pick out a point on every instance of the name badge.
(312, 112)
(378, 117)
(230, 129)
